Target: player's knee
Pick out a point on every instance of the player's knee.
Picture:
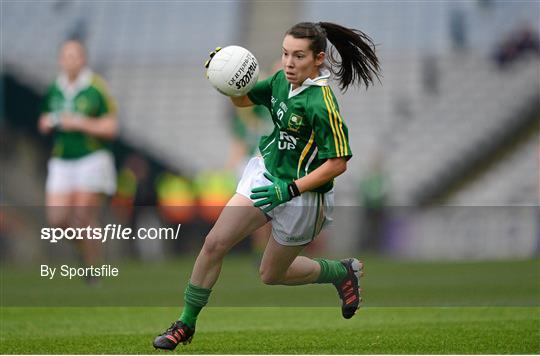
(268, 277)
(214, 247)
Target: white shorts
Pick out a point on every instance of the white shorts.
(92, 173)
(297, 221)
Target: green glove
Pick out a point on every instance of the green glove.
(273, 195)
(211, 54)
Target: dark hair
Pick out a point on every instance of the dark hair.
(359, 63)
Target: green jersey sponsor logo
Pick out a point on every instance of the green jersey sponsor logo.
(286, 141)
(295, 121)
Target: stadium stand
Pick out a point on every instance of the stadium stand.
(167, 106)
(511, 182)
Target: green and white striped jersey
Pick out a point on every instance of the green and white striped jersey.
(308, 128)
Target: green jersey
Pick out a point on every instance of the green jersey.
(89, 97)
(308, 128)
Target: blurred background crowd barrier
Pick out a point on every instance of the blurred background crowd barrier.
(446, 147)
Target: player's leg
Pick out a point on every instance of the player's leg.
(259, 240)
(93, 176)
(297, 223)
(237, 220)
(86, 210)
(282, 265)
(58, 209)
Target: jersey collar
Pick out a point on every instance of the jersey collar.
(70, 90)
(321, 81)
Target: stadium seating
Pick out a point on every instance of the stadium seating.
(474, 103)
(512, 182)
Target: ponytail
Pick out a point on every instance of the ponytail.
(359, 63)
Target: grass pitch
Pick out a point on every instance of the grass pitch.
(410, 308)
(385, 330)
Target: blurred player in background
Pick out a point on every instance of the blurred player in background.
(374, 196)
(291, 185)
(81, 114)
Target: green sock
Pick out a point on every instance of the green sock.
(331, 271)
(195, 298)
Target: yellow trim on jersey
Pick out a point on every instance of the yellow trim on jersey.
(101, 86)
(339, 125)
(305, 152)
(331, 121)
(335, 123)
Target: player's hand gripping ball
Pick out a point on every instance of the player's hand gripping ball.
(232, 70)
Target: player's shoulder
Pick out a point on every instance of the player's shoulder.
(322, 98)
(99, 83)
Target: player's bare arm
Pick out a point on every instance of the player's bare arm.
(330, 169)
(242, 101)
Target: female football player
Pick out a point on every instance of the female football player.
(80, 113)
(290, 183)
